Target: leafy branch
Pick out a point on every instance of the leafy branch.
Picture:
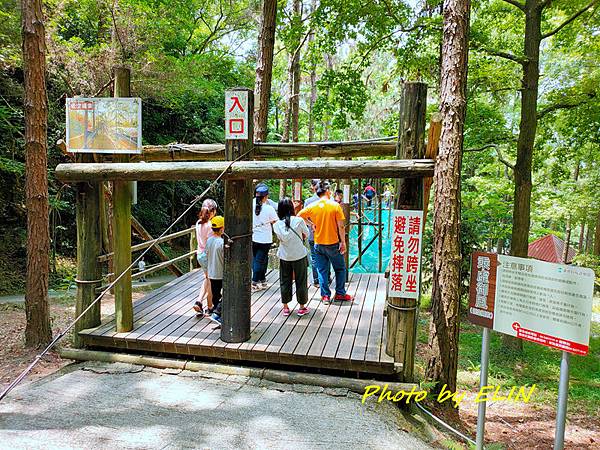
(565, 105)
(496, 147)
(569, 20)
(517, 4)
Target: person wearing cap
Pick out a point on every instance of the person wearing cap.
(203, 233)
(214, 256)
(311, 232)
(262, 236)
(330, 246)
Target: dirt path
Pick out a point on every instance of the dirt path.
(15, 357)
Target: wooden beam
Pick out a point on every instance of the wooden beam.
(237, 272)
(73, 172)
(266, 150)
(156, 249)
(324, 149)
(143, 245)
(181, 152)
(161, 265)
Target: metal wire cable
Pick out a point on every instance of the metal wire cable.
(59, 336)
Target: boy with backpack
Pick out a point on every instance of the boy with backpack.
(214, 256)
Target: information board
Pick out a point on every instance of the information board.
(236, 115)
(104, 125)
(542, 302)
(405, 258)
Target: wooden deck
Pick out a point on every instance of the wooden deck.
(339, 336)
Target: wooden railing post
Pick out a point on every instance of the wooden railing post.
(346, 207)
(238, 255)
(401, 330)
(193, 247)
(89, 241)
(122, 226)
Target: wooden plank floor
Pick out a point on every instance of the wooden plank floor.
(342, 335)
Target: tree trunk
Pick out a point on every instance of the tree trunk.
(293, 104)
(527, 130)
(264, 69)
(581, 238)
(313, 85)
(597, 236)
(329, 62)
(526, 140)
(565, 253)
(282, 188)
(445, 297)
(588, 239)
(37, 330)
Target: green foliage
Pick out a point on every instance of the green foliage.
(12, 166)
(63, 275)
(343, 97)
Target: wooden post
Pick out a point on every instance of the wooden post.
(402, 312)
(89, 242)
(379, 220)
(238, 255)
(193, 247)
(122, 226)
(347, 208)
(360, 221)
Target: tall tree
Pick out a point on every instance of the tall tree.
(37, 331)
(529, 62)
(297, 37)
(445, 297)
(597, 236)
(264, 69)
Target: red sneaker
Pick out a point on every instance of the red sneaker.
(326, 300)
(343, 298)
(303, 311)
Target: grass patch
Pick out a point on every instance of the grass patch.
(535, 365)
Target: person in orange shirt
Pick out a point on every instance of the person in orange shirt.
(328, 219)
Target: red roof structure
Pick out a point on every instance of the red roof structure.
(550, 248)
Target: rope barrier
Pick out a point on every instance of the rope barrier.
(399, 308)
(60, 335)
(89, 281)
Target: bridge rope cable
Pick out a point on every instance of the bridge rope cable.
(60, 335)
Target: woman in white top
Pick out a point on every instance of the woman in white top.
(203, 232)
(292, 232)
(262, 236)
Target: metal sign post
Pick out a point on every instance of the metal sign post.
(483, 379)
(563, 393)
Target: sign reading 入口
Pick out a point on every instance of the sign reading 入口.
(405, 258)
(236, 115)
(542, 302)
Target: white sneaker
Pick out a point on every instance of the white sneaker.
(255, 287)
(264, 285)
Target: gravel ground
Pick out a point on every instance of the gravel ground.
(99, 405)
